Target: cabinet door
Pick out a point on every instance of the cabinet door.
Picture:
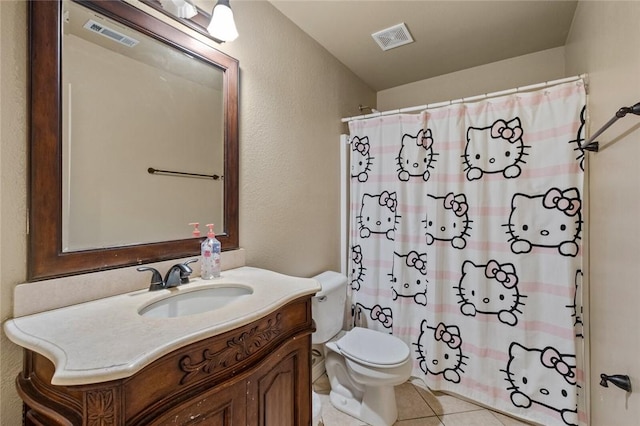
(222, 406)
(280, 390)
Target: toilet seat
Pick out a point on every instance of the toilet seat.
(373, 348)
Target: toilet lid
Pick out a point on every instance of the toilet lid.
(374, 348)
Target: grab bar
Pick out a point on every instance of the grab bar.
(152, 171)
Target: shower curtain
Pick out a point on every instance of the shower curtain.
(465, 242)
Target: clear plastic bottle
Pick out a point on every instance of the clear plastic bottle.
(210, 251)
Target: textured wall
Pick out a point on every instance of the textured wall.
(292, 96)
(502, 75)
(601, 43)
(13, 179)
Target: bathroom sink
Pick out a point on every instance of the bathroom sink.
(194, 302)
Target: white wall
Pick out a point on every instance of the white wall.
(508, 74)
(13, 189)
(602, 43)
(292, 96)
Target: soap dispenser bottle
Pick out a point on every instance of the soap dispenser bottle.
(196, 230)
(210, 251)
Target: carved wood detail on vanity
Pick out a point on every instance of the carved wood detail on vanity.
(246, 376)
(100, 407)
(238, 348)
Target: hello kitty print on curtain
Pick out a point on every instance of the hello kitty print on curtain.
(465, 241)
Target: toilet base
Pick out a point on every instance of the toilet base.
(377, 407)
(363, 391)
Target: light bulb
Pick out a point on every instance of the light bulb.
(222, 25)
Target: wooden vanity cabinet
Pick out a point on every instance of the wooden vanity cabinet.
(257, 374)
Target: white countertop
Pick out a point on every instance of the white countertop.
(107, 339)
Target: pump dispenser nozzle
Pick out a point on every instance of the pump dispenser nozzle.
(210, 234)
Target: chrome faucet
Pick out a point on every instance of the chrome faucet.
(157, 283)
(186, 271)
(176, 275)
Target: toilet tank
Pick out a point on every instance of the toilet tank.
(328, 305)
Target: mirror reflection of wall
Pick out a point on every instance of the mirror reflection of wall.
(126, 109)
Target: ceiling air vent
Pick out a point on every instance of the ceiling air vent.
(395, 36)
(114, 35)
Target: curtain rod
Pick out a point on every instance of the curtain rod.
(591, 144)
(469, 99)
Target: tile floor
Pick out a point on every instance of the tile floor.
(420, 407)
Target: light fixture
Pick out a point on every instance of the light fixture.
(222, 25)
(179, 8)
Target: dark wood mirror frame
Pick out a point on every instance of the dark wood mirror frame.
(46, 258)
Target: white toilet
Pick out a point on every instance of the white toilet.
(363, 365)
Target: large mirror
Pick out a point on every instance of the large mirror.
(133, 136)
